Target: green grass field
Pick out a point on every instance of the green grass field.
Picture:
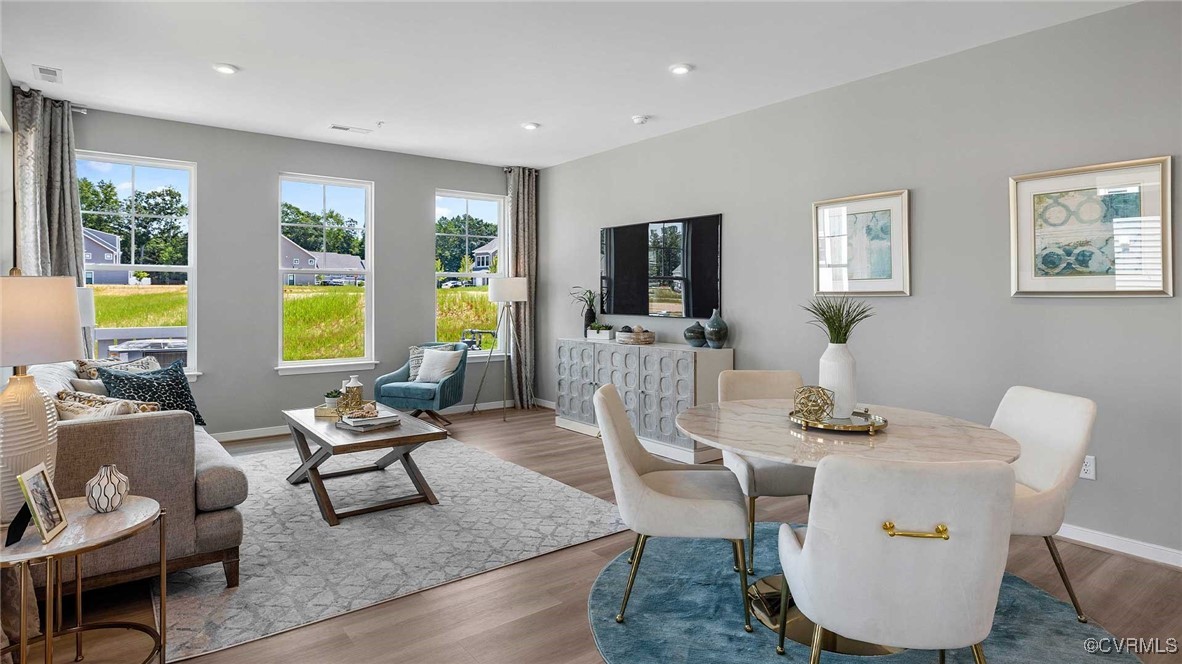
(319, 322)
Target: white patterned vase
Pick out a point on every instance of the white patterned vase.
(839, 374)
(105, 492)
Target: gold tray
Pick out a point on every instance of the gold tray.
(860, 421)
(324, 411)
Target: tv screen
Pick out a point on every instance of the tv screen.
(671, 269)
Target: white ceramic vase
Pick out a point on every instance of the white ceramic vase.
(106, 490)
(839, 373)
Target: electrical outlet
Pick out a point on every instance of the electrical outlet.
(1088, 471)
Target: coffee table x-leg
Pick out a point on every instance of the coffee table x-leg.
(309, 471)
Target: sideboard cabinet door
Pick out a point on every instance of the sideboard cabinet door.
(666, 388)
(576, 381)
(619, 365)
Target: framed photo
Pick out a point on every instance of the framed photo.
(1092, 231)
(860, 245)
(42, 501)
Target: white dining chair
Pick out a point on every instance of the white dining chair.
(759, 477)
(659, 498)
(1053, 431)
(902, 554)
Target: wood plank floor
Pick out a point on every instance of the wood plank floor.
(536, 611)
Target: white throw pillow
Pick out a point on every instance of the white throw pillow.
(438, 364)
(89, 386)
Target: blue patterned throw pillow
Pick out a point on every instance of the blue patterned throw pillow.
(168, 387)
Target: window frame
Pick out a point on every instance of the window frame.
(190, 270)
(368, 361)
(503, 236)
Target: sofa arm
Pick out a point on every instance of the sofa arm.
(154, 450)
(401, 375)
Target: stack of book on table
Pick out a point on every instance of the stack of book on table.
(364, 421)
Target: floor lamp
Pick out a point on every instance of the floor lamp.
(506, 291)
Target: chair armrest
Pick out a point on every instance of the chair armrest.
(154, 450)
(400, 375)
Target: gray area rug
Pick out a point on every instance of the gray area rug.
(296, 570)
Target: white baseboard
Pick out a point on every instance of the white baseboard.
(467, 407)
(656, 447)
(248, 434)
(545, 404)
(1125, 545)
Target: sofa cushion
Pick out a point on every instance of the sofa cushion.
(422, 391)
(89, 386)
(89, 368)
(220, 482)
(168, 387)
(53, 378)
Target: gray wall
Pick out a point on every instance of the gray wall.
(952, 131)
(236, 231)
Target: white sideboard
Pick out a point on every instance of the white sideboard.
(656, 382)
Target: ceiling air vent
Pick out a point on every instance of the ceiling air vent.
(47, 74)
(352, 130)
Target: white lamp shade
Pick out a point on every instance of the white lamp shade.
(39, 320)
(86, 307)
(508, 289)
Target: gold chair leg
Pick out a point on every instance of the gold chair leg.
(978, 654)
(751, 535)
(738, 545)
(632, 576)
(818, 635)
(1079, 614)
(738, 561)
(635, 544)
(783, 614)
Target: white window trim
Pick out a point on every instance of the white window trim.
(296, 367)
(498, 353)
(190, 270)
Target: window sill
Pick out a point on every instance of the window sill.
(482, 357)
(192, 375)
(332, 367)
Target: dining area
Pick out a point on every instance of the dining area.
(900, 552)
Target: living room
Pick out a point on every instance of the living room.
(548, 277)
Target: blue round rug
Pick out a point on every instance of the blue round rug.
(685, 607)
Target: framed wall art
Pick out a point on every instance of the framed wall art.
(860, 245)
(1092, 231)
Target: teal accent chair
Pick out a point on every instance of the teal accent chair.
(396, 391)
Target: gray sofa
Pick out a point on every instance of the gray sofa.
(165, 457)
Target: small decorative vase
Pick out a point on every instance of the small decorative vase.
(352, 398)
(838, 374)
(695, 335)
(716, 331)
(588, 318)
(105, 492)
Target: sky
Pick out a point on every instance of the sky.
(146, 178)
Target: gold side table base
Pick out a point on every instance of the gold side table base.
(765, 605)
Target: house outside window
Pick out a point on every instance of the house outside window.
(325, 272)
(469, 234)
(137, 213)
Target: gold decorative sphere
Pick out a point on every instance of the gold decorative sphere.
(813, 403)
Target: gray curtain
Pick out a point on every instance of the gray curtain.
(523, 224)
(48, 215)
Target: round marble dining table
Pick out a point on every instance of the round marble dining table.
(761, 428)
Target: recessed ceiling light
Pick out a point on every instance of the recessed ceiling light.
(530, 126)
(681, 69)
(640, 119)
(225, 68)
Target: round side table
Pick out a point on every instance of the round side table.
(85, 531)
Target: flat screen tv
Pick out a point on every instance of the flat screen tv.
(671, 269)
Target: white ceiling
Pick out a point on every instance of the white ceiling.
(457, 80)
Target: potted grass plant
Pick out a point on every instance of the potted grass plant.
(585, 298)
(600, 331)
(837, 316)
(331, 398)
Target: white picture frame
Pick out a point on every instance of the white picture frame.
(1093, 231)
(861, 245)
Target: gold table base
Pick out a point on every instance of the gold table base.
(765, 606)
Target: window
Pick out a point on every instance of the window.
(325, 269)
(137, 214)
(468, 240)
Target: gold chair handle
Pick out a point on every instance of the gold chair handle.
(940, 533)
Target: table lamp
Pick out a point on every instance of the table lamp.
(39, 323)
(504, 290)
